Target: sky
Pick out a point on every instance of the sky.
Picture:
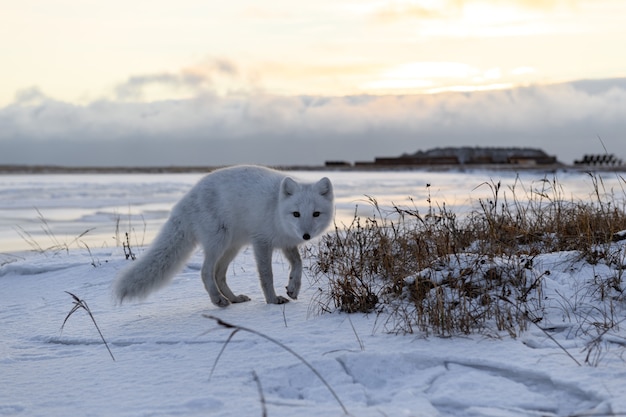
(281, 82)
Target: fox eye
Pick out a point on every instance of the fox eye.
(296, 214)
(316, 214)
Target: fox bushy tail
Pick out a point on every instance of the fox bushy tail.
(158, 265)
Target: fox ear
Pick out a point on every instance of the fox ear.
(324, 187)
(288, 186)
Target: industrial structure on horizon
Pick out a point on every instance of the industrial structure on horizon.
(461, 156)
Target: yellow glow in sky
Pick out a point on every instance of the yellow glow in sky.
(80, 51)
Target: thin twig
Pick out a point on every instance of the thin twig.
(284, 315)
(78, 304)
(530, 319)
(261, 396)
(276, 342)
(356, 335)
(219, 355)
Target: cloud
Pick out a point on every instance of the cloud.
(392, 11)
(191, 80)
(252, 127)
(30, 97)
(540, 4)
(134, 87)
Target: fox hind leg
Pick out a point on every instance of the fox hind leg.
(213, 252)
(220, 277)
(208, 278)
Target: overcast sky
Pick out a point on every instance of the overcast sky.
(282, 82)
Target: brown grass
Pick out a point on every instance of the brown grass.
(437, 273)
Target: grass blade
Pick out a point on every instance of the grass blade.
(78, 304)
(284, 347)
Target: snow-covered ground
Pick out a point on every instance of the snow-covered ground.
(166, 347)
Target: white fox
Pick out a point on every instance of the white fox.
(224, 211)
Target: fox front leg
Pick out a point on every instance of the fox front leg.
(295, 273)
(263, 255)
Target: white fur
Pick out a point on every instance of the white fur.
(224, 211)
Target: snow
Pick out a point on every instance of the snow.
(165, 347)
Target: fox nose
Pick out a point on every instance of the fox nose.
(306, 236)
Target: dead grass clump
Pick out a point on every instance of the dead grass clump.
(545, 221)
(435, 272)
(55, 245)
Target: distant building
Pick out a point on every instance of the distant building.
(608, 160)
(338, 164)
(468, 156)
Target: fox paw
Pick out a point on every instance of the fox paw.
(221, 302)
(241, 298)
(280, 300)
(292, 293)
(294, 286)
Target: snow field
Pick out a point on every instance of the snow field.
(165, 347)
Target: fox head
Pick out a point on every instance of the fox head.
(306, 210)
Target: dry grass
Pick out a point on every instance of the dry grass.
(54, 245)
(80, 304)
(437, 273)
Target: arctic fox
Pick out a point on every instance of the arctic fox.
(224, 211)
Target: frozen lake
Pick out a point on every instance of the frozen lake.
(58, 208)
